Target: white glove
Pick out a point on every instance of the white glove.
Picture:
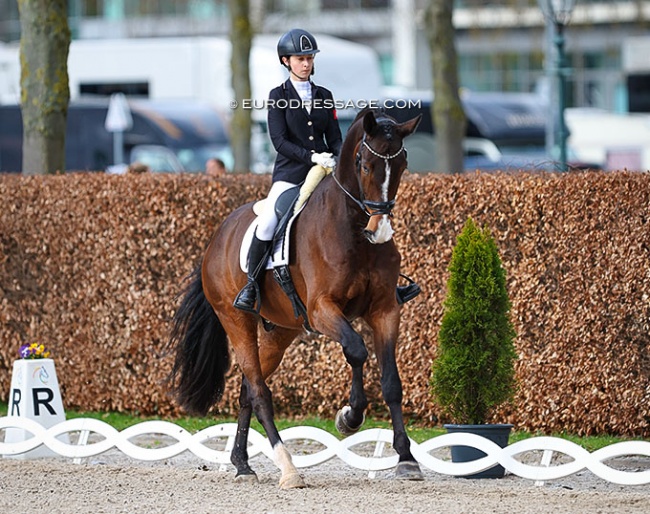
(326, 160)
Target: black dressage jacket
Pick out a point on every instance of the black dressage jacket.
(296, 134)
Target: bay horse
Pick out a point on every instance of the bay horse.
(344, 264)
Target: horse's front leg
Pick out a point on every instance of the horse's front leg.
(385, 328)
(350, 418)
(327, 318)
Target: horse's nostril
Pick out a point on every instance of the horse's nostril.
(369, 235)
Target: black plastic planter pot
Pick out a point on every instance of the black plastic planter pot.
(498, 434)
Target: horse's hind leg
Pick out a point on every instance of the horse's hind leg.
(263, 407)
(258, 362)
(272, 346)
(239, 455)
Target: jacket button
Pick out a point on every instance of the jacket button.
(309, 123)
(311, 138)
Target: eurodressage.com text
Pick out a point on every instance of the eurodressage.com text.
(325, 103)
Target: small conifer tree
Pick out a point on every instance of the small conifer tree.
(474, 368)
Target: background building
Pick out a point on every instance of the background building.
(501, 45)
(504, 47)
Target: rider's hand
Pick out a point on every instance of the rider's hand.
(326, 160)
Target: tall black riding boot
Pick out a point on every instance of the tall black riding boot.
(249, 296)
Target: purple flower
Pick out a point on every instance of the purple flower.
(24, 351)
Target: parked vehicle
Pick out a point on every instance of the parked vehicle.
(504, 130)
(198, 69)
(612, 141)
(168, 136)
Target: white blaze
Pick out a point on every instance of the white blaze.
(384, 230)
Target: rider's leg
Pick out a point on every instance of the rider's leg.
(248, 298)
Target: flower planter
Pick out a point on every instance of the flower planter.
(498, 434)
(35, 395)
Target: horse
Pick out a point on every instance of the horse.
(344, 264)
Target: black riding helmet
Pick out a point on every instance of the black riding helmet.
(296, 42)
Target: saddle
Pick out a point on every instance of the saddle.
(287, 208)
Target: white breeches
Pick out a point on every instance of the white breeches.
(267, 218)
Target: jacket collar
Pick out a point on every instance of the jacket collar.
(288, 86)
(291, 93)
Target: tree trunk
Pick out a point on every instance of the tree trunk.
(446, 109)
(44, 44)
(241, 36)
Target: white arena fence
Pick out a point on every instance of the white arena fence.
(213, 444)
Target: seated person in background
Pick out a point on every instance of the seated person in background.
(136, 168)
(215, 167)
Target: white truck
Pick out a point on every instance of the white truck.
(612, 141)
(198, 68)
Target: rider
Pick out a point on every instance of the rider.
(304, 130)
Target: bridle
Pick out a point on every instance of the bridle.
(369, 207)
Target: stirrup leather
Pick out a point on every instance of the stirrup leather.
(282, 276)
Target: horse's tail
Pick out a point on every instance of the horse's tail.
(202, 357)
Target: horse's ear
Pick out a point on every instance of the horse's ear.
(369, 122)
(408, 127)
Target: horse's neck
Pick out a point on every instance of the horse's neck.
(346, 170)
(347, 213)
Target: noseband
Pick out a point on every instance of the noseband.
(369, 207)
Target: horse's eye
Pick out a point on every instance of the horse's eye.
(365, 169)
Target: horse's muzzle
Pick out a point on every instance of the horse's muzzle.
(379, 229)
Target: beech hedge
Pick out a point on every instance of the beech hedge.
(91, 265)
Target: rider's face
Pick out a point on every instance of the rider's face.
(301, 66)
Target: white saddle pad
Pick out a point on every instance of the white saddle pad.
(280, 254)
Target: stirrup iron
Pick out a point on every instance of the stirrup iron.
(408, 292)
(245, 306)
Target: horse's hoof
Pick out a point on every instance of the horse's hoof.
(292, 481)
(248, 478)
(342, 425)
(408, 470)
